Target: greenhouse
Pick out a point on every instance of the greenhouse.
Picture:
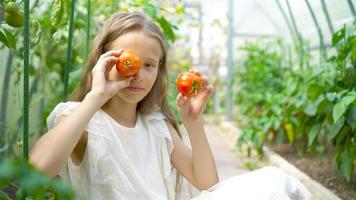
(178, 99)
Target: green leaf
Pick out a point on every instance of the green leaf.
(7, 169)
(338, 36)
(59, 34)
(347, 100)
(151, 10)
(353, 50)
(10, 39)
(338, 110)
(331, 96)
(3, 38)
(32, 70)
(314, 131)
(57, 12)
(317, 72)
(351, 116)
(312, 107)
(335, 128)
(314, 91)
(37, 30)
(180, 8)
(345, 164)
(167, 28)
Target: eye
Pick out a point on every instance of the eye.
(148, 65)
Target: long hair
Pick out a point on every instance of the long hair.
(117, 25)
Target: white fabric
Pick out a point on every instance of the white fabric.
(268, 183)
(134, 164)
(121, 162)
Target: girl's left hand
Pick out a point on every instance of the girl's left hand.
(191, 108)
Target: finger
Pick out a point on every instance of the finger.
(111, 60)
(205, 82)
(206, 95)
(107, 63)
(116, 53)
(211, 89)
(195, 71)
(181, 100)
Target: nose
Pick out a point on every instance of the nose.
(138, 76)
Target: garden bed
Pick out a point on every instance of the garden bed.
(321, 168)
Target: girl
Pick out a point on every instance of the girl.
(118, 139)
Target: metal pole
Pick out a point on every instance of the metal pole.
(69, 49)
(352, 9)
(286, 20)
(26, 80)
(321, 38)
(88, 28)
(200, 46)
(230, 46)
(327, 16)
(26, 61)
(297, 33)
(274, 23)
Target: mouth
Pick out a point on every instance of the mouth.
(135, 89)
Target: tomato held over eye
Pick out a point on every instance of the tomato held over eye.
(129, 64)
(189, 84)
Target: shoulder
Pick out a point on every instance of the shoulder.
(60, 110)
(172, 131)
(158, 124)
(64, 108)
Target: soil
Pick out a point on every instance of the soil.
(321, 167)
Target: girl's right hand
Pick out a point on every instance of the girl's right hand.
(101, 86)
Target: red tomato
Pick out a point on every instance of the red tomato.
(189, 84)
(129, 64)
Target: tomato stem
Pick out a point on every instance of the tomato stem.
(195, 87)
(128, 64)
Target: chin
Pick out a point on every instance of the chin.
(133, 99)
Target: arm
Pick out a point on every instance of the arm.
(197, 164)
(53, 149)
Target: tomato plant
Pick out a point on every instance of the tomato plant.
(14, 16)
(129, 64)
(49, 26)
(189, 84)
(313, 107)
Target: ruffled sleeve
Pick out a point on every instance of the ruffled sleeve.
(62, 109)
(65, 109)
(156, 120)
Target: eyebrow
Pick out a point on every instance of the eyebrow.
(154, 60)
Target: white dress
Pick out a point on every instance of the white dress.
(267, 183)
(134, 164)
(121, 162)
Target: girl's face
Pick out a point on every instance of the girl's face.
(149, 50)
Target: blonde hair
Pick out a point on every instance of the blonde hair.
(117, 25)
